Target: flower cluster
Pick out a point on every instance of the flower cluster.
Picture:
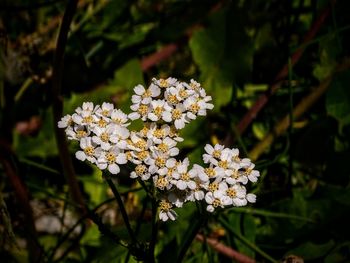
(165, 107)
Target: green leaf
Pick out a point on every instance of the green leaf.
(338, 98)
(118, 90)
(223, 53)
(312, 251)
(92, 236)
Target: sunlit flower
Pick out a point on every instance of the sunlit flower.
(177, 115)
(105, 110)
(143, 95)
(89, 151)
(166, 212)
(110, 159)
(213, 153)
(65, 121)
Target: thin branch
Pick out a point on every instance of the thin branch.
(225, 250)
(58, 105)
(160, 55)
(122, 209)
(35, 251)
(251, 245)
(190, 236)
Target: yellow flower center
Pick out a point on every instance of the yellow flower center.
(216, 154)
(140, 169)
(160, 162)
(142, 155)
(143, 109)
(176, 114)
(162, 182)
(158, 111)
(141, 144)
(163, 147)
(248, 171)
(117, 120)
(185, 177)
(213, 187)
(223, 164)
(104, 137)
(163, 83)
(210, 172)
(89, 151)
(159, 133)
(105, 113)
(144, 131)
(165, 205)
(81, 134)
(194, 108)
(102, 123)
(110, 157)
(183, 93)
(173, 99)
(216, 202)
(147, 94)
(195, 86)
(236, 159)
(231, 192)
(88, 119)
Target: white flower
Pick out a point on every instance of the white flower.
(120, 118)
(251, 198)
(236, 194)
(213, 153)
(137, 143)
(77, 132)
(89, 151)
(141, 171)
(251, 173)
(140, 111)
(213, 202)
(184, 179)
(194, 85)
(177, 115)
(119, 136)
(111, 159)
(168, 169)
(145, 96)
(158, 109)
(211, 172)
(86, 109)
(166, 212)
(102, 136)
(235, 176)
(105, 110)
(156, 133)
(65, 121)
(165, 83)
(167, 147)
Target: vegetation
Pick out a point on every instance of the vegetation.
(278, 73)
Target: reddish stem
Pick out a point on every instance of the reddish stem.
(225, 250)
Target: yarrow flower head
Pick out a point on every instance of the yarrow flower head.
(165, 107)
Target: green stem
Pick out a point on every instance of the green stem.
(270, 214)
(190, 235)
(154, 229)
(122, 209)
(246, 241)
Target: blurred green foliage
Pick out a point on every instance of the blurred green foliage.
(235, 49)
